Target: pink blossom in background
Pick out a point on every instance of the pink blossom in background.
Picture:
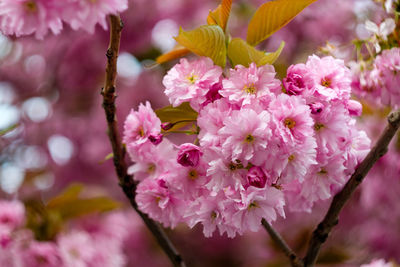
(12, 214)
(40, 254)
(24, 17)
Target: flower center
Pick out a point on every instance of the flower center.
(250, 89)
(253, 205)
(192, 78)
(290, 123)
(31, 6)
(213, 215)
(151, 168)
(141, 131)
(193, 174)
(291, 158)
(318, 126)
(326, 82)
(322, 171)
(249, 139)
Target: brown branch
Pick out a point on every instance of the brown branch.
(321, 233)
(276, 237)
(126, 181)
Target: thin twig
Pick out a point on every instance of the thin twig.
(276, 237)
(321, 233)
(126, 181)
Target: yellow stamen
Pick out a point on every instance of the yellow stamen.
(250, 89)
(318, 126)
(249, 139)
(31, 6)
(193, 174)
(290, 123)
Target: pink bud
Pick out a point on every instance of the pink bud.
(316, 108)
(156, 139)
(354, 107)
(189, 155)
(213, 93)
(166, 126)
(257, 177)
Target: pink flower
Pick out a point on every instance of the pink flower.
(378, 263)
(12, 214)
(24, 17)
(293, 118)
(76, 248)
(329, 125)
(213, 93)
(210, 120)
(354, 107)
(151, 161)
(388, 64)
(156, 197)
(299, 81)
(245, 132)
(191, 81)
(255, 205)
(86, 14)
(245, 85)
(331, 76)
(189, 155)
(139, 129)
(41, 254)
(299, 161)
(257, 177)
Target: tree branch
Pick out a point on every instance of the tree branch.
(321, 233)
(276, 237)
(126, 181)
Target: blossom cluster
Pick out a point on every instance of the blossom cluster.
(83, 246)
(25, 17)
(261, 145)
(380, 83)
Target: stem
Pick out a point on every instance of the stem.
(126, 181)
(276, 237)
(321, 233)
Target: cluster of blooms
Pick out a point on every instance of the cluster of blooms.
(24, 17)
(84, 247)
(260, 147)
(381, 82)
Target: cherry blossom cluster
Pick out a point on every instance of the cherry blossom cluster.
(99, 244)
(24, 17)
(380, 82)
(262, 144)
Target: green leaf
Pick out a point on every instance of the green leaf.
(270, 58)
(183, 112)
(239, 52)
(175, 53)
(69, 204)
(272, 16)
(220, 15)
(207, 40)
(79, 207)
(69, 194)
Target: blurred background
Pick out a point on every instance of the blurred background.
(54, 135)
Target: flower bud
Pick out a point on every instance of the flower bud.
(316, 108)
(354, 107)
(256, 177)
(189, 155)
(156, 138)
